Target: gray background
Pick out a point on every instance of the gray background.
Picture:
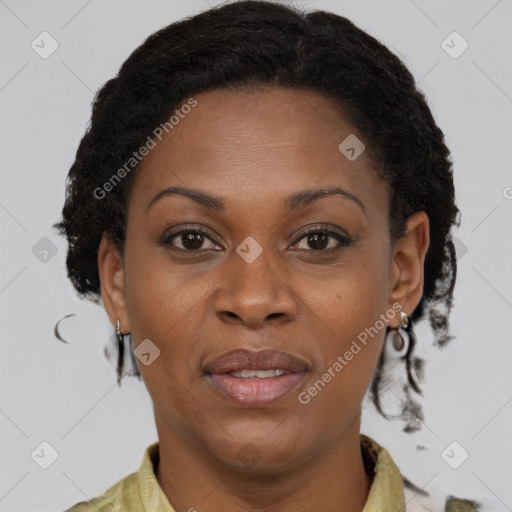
(66, 395)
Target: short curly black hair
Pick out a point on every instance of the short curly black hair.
(263, 43)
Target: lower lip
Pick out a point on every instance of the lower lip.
(256, 392)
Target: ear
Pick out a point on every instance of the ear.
(110, 265)
(407, 273)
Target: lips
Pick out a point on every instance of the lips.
(256, 379)
(241, 359)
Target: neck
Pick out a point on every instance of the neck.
(334, 479)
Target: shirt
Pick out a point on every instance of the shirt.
(141, 492)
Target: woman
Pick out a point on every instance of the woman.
(263, 202)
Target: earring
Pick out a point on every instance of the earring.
(398, 339)
(120, 346)
(405, 321)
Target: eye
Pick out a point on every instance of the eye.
(322, 239)
(190, 239)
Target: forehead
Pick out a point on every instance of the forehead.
(266, 120)
(257, 143)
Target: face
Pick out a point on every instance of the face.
(260, 265)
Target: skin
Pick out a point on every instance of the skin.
(253, 149)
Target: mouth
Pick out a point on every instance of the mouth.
(256, 379)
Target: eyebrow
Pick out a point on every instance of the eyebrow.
(298, 200)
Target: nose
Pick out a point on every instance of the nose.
(254, 294)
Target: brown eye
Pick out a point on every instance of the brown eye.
(190, 240)
(322, 240)
(318, 241)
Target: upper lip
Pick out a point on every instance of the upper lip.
(242, 359)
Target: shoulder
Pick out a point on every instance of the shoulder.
(389, 482)
(137, 491)
(123, 491)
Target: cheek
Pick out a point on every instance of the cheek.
(162, 308)
(351, 296)
(167, 304)
(336, 389)
(350, 316)
(159, 295)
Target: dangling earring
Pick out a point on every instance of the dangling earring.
(120, 346)
(398, 339)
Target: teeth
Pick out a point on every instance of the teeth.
(260, 374)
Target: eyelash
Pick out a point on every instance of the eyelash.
(342, 240)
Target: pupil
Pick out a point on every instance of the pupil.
(317, 241)
(192, 240)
